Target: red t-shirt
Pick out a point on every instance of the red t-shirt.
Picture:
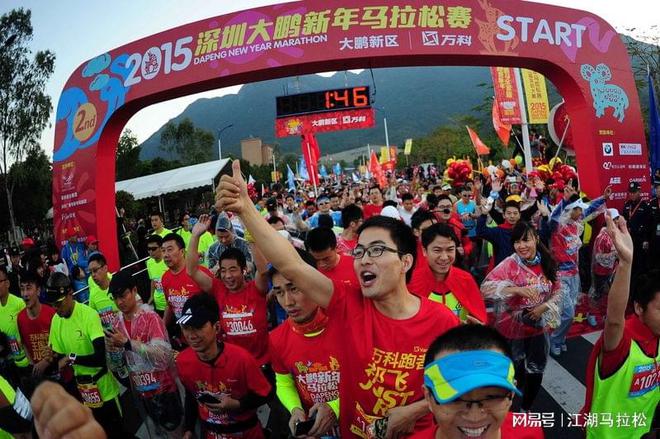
(180, 287)
(34, 332)
(382, 358)
(234, 373)
(312, 360)
(343, 271)
(507, 430)
(369, 210)
(346, 246)
(458, 282)
(244, 318)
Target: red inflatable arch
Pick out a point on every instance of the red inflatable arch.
(578, 51)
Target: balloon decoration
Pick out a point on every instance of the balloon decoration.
(458, 172)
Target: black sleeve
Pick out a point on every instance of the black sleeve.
(190, 412)
(97, 359)
(252, 400)
(496, 216)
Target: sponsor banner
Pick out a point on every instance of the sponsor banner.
(506, 94)
(536, 96)
(608, 149)
(630, 148)
(324, 122)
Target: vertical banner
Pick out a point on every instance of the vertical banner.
(506, 94)
(536, 96)
(384, 154)
(407, 148)
(503, 130)
(394, 154)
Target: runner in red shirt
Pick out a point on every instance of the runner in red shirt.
(387, 329)
(375, 202)
(321, 243)
(469, 386)
(243, 313)
(305, 357)
(34, 327)
(223, 383)
(444, 282)
(178, 286)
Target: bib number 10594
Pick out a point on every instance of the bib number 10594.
(148, 65)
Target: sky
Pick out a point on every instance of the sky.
(77, 31)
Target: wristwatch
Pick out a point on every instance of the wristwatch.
(72, 358)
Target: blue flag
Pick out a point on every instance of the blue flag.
(323, 172)
(654, 129)
(290, 178)
(337, 169)
(302, 170)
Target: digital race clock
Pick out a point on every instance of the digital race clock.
(320, 101)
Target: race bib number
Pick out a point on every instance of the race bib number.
(645, 379)
(239, 324)
(145, 382)
(91, 395)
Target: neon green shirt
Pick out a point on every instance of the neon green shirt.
(101, 301)
(9, 326)
(205, 242)
(630, 392)
(156, 271)
(185, 234)
(163, 233)
(75, 334)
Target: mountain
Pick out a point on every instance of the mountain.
(414, 100)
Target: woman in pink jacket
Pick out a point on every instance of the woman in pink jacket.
(526, 296)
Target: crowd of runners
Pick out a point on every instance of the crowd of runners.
(422, 305)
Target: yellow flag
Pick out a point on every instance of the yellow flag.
(384, 154)
(407, 148)
(536, 96)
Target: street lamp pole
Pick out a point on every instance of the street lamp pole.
(220, 140)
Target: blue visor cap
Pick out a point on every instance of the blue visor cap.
(454, 375)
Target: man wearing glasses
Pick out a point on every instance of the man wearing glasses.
(469, 386)
(387, 329)
(155, 269)
(77, 339)
(323, 203)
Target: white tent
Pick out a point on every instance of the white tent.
(174, 180)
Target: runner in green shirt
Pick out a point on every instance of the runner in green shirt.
(157, 225)
(10, 306)
(99, 298)
(184, 230)
(156, 268)
(77, 339)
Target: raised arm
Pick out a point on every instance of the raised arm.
(232, 196)
(204, 282)
(261, 264)
(617, 299)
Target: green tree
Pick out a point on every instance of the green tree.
(33, 177)
(128, 163)
(190, 144)
(24, 104)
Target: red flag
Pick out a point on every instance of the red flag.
(310, 150)
(376, 170)
(502, 129)
(479, 146)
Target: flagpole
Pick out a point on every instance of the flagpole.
(563, 136)
(527, 149)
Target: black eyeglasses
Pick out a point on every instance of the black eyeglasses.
(373, 251)
(493, 402)
(444, 210)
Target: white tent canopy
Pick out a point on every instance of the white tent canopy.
(174, 180)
